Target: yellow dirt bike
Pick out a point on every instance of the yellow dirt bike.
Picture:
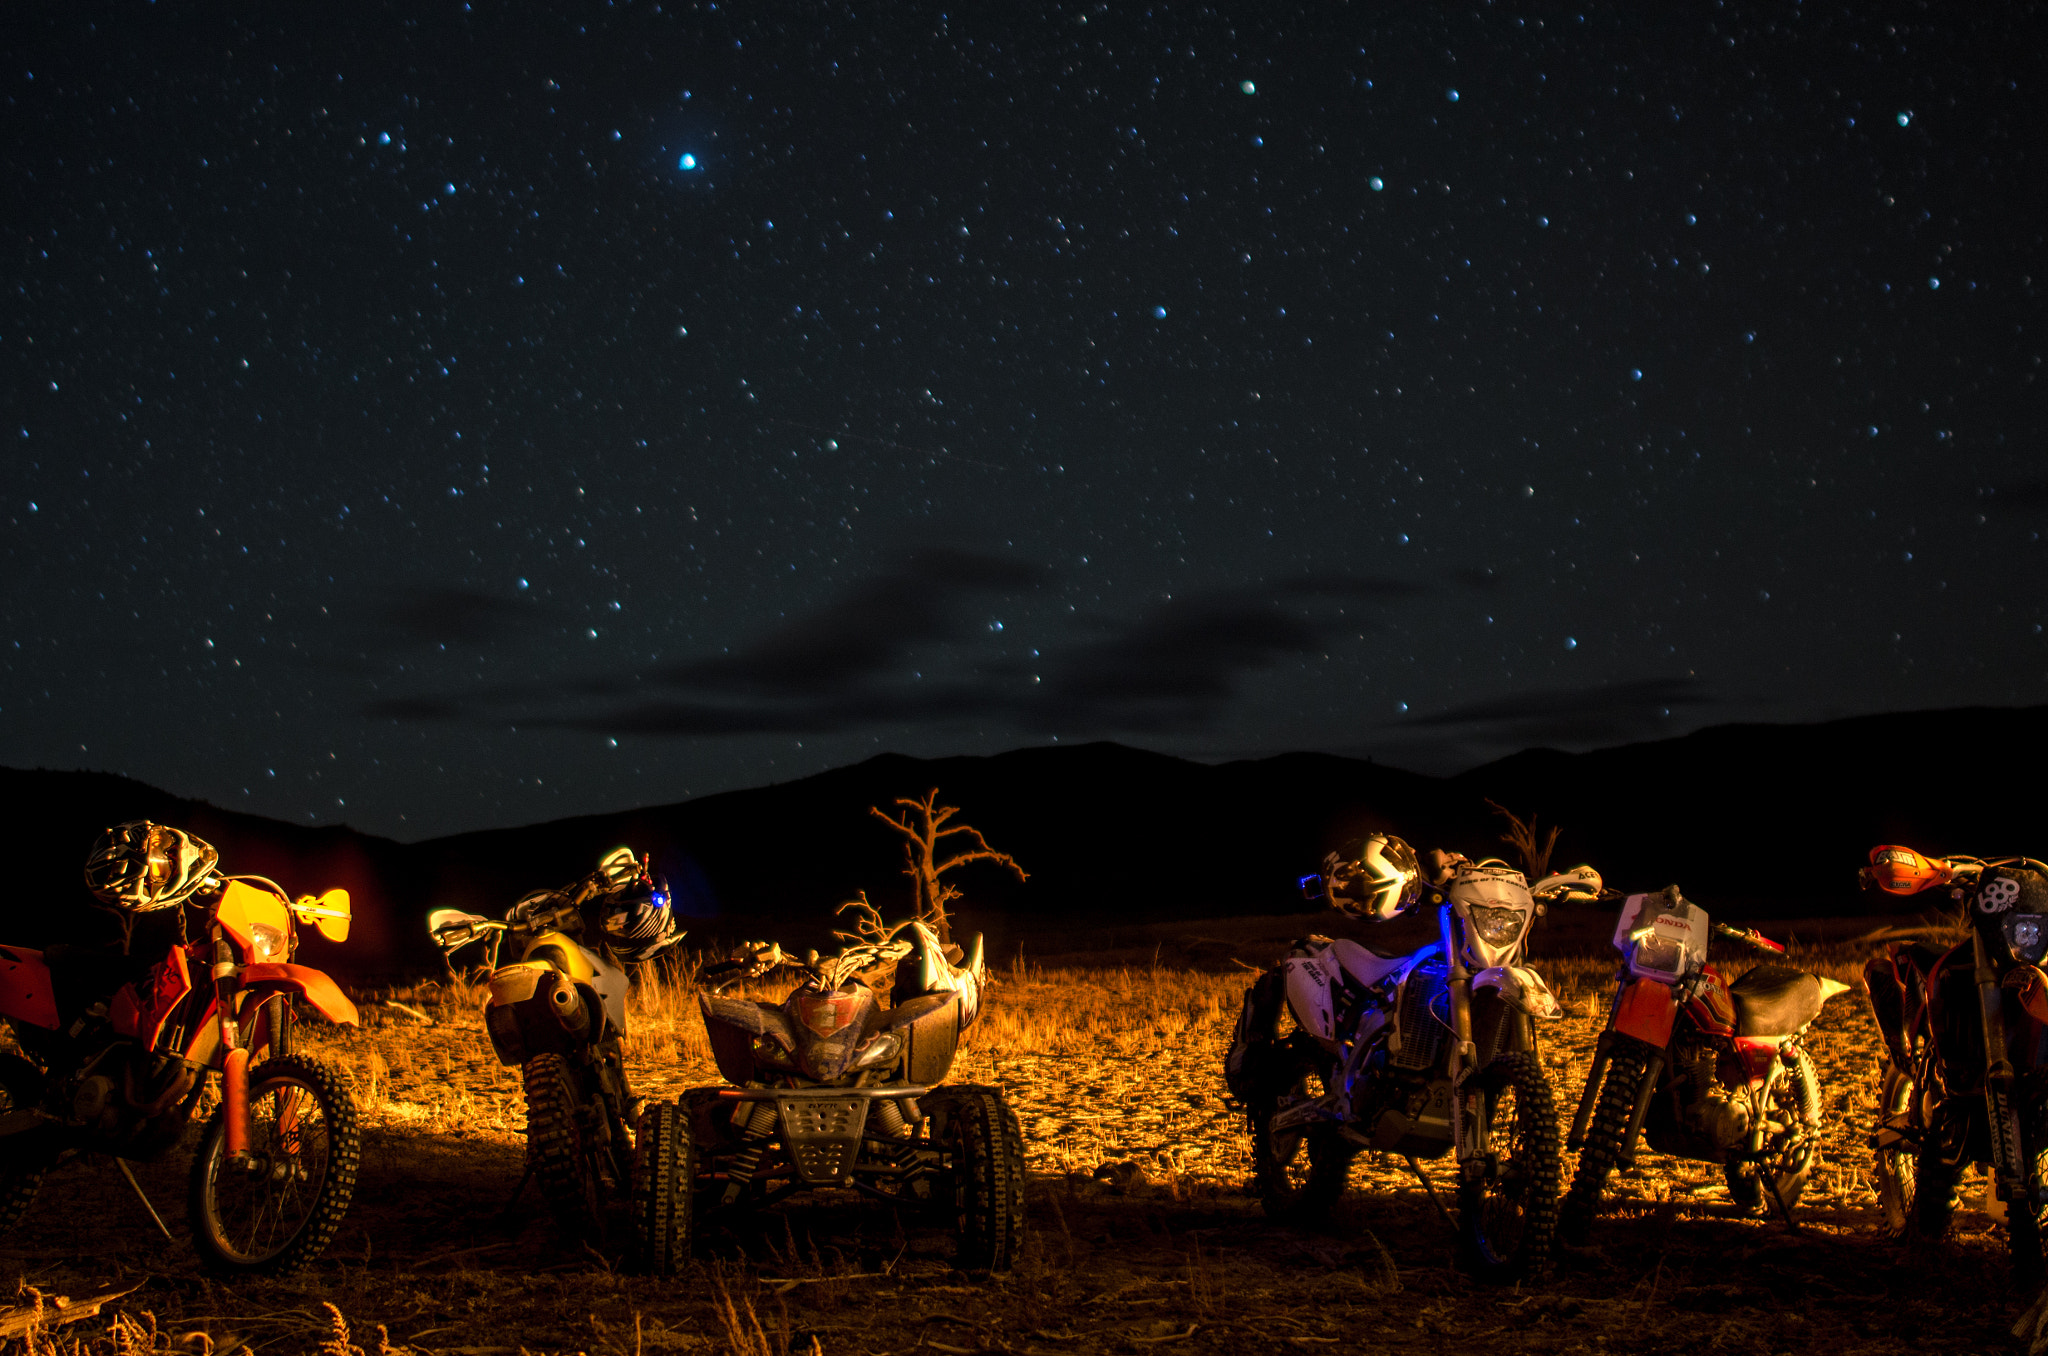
(558, 1014)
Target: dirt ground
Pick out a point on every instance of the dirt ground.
(1165, 1251)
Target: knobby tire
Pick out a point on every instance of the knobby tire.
(982, 1137)
(21, 1170)
(559, 1149)
(664, 1189)
(288, 1086)
(1611, 1115)
(1531, 1162)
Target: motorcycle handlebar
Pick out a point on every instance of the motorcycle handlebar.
(1749, 937)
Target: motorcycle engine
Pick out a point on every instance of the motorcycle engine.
(1718, 1118)
(92, 1100)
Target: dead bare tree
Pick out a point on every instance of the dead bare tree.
(867, 921)
(1522, 837)
(924, 829)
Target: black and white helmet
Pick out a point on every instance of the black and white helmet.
(1380, 882)
(140, 866)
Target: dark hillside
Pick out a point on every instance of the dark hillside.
(1757, 820)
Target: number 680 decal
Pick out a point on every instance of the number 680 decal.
(1999, 895)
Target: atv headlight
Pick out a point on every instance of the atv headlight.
(883, 1049)
(1496, 926)
(2026, 937)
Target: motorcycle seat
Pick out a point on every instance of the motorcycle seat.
(1775, 1000)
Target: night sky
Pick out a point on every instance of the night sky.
(438, 416)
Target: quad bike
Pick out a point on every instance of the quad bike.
(1713, 1071)
(118, 1067)
(829, 1089)
(558, 1014)
(1966, 1034)
(1412, 1053)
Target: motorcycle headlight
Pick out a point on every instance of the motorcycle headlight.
(2026, 937)
(1496, 926)
(269, 943)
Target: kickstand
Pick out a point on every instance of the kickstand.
(1430, 1187)
(129, 1173)
(1770, 1181)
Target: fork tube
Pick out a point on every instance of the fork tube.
(1460, 985)
(1653, 1069)
(1998, 1075)
(1603, 1053)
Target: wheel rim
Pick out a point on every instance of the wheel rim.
(259, 1207)
(1504, 1195)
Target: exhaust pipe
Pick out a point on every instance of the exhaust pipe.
(568, 1007)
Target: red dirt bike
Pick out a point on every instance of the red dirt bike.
(120, 1070)
(1704, 1069)
(828, 1089)
(1966, 1032)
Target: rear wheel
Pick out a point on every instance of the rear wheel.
(21, 1169)
(980, 1135)
(1299, 1171)
(1789, 1154)
(1899, 1134)
(276, 1211)
(561, 1148)
(664, 1189)
(1507, 1215)
(1611, 1115)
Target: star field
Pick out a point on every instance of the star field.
(443, 416)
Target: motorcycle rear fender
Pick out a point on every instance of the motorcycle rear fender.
(322, 994)
(1646, 1010)
(1521, 987)
(559, 951)
(26, 994)
(1308, 995)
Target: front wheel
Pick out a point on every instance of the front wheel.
(21, 1169)
(1611, 1116)
(1900, 1132)
(1790, 1152)
(562, 1151)
(1507, 1200)
(980, 1135)
(664, 1189)
(275, 1210)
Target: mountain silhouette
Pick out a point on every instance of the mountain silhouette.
(1754, 820)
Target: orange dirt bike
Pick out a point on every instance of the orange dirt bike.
(1704, 1069)
(1966, 1032)
(119, 1067)
(558, 1015)
(828, 1089)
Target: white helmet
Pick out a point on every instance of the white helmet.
(1382, 882)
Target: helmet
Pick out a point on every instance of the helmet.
(1383, 881)
(637, 923)
(142, 866)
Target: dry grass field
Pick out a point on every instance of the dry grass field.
(1144, 1238)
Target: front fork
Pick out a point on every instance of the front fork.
(2014, 1175)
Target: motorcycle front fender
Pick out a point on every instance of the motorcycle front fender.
(321, 993)
(1646, 1010)
(1521, 987)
